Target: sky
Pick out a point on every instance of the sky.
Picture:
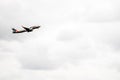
(78, 40)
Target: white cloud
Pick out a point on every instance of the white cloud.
(78, 40)
(9, 67)
(66, 50)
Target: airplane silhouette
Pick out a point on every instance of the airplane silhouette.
(25, 29)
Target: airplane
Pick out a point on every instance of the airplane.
(25, 29)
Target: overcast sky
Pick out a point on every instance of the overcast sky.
(78, 40)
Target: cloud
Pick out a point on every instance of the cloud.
(63, 53)
(10, 67)
(107, 33)
(77, 40)
(103, 11)
(16, 13)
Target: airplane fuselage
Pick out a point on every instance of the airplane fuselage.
(25, 29)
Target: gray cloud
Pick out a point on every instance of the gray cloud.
(51, 54)
(77, 40)
(17, 13)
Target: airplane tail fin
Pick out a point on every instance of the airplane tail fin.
(14, 30)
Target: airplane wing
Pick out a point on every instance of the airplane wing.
(25, 28)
